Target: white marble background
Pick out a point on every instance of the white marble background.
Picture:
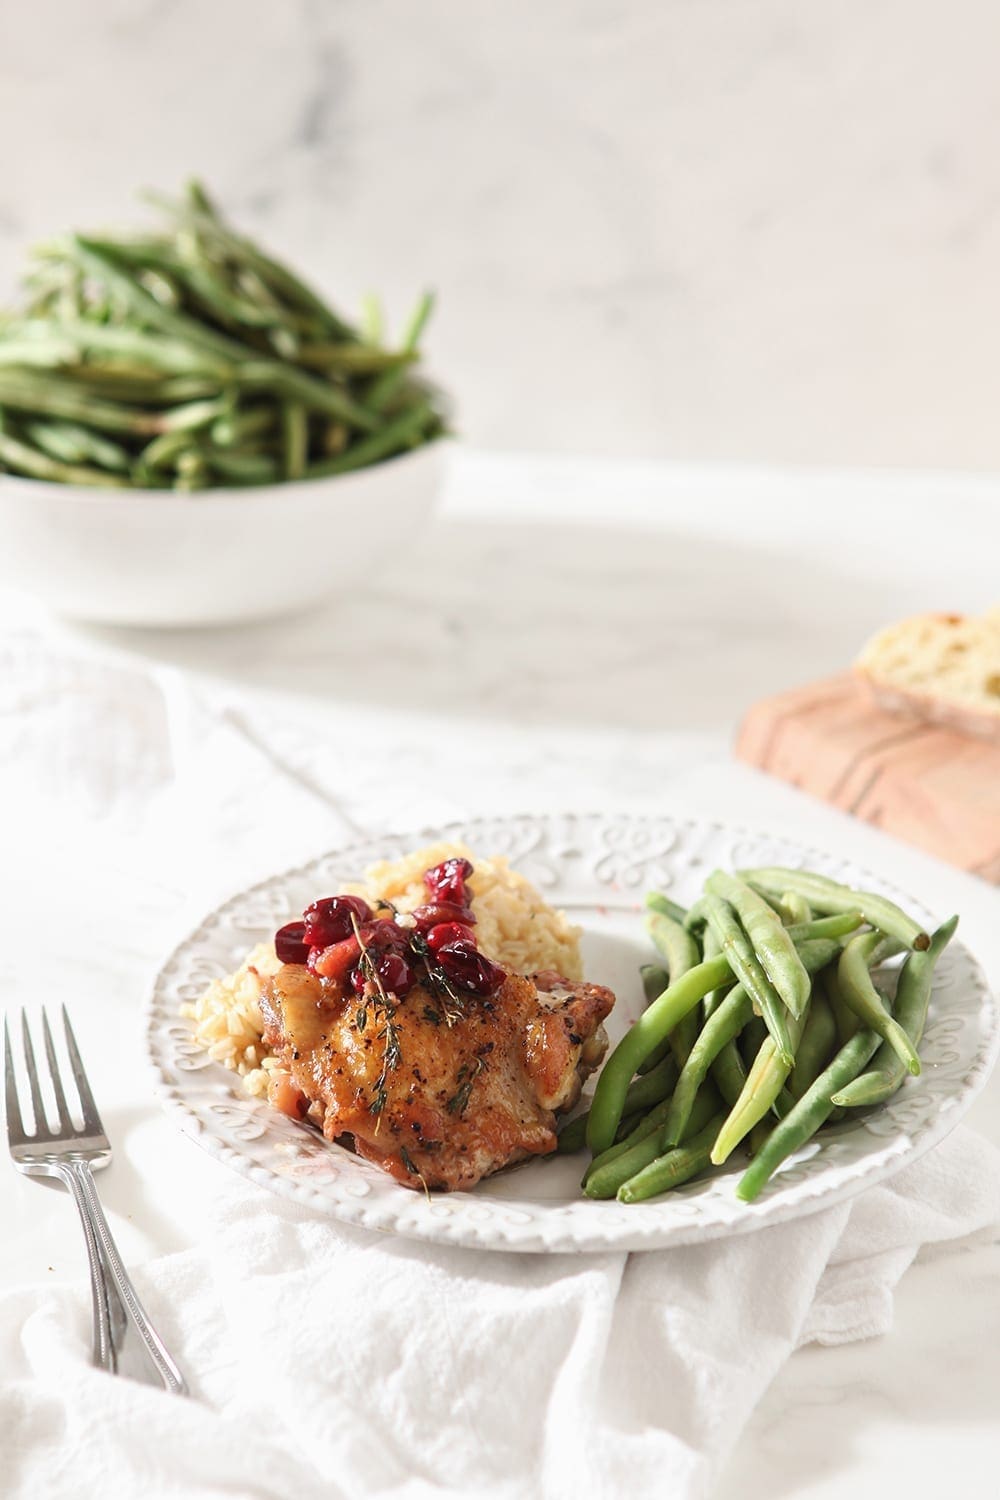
(702, 231)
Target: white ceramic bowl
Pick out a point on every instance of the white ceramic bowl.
(155, 557)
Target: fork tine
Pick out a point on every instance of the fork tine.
(91, 1119)
(14, 1122)
(65, 1122)
(37, 1104)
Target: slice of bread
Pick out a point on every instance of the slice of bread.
(944, 668)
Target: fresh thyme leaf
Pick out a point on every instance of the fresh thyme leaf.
(432, 1015)
(361, 1018)
(408, 1162)
(458, 1103)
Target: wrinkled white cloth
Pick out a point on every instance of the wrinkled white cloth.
(330, 1362)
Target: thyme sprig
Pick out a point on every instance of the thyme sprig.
(467, 1075)
(452, 1003)
(375, 994)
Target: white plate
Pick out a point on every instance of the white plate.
(597, 868)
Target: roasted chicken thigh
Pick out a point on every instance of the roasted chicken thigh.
(437, 1091)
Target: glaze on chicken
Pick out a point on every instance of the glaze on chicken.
(438, 1094)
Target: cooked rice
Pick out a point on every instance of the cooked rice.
(514, 926)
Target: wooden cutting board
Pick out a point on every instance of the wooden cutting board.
(933, 787)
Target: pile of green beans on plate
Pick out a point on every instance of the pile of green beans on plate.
(192, 359)
(768, 1017)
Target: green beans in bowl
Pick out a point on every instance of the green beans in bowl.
(189, 432)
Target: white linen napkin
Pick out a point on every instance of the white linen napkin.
(327, 1361)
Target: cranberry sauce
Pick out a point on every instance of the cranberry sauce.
(341, 938)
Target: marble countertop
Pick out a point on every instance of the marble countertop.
(729, 232)
(564, 634)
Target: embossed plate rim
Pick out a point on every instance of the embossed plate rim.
(205, 1099)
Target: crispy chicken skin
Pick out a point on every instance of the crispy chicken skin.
(464, 1099)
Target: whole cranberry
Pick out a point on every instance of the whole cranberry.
(382, 937)
(290, 943)
(446, 881)
(395, 973)
(437, 912)
(470, 969)
(330, 920)
(450, 932)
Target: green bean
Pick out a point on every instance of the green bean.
(722, 1027)
(755, 1034)
(289, 383)
(192, 471)
(818, 1044)
(191, 416)
(237, 427)
(652, 1027)
(33, 352)
(856, 988)
(846, 1021)
(606, 1175)
(828, 895)
(630, 1122)
(23, 459)
(163, 451)
(654, 982)
(674, 943)
(358, 359)
(782, 1104)
(53, 397)
(728, 1073)
(100, 261)
(371, 317)
(573, 1136)
(711, 948)
(809, 1114)
(385, 387)
(913, 994)
(72, 444)
(670, 1170)
(101, 381)
(295, 439)
(650, 1123)
(382, 444)
(657, 901)
(277, 275)
(793, 909)
(643, 1092)
(697, 914)
(681, 952)
(114, 320)
(241, 468)
(765, 1082)
(176, 356)
(717, 1035)
(774, 949)
(418, 321)
(205, 289)
(825, 927)
(757, 1137)
(746, 966)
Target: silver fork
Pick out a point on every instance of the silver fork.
(71, 1155)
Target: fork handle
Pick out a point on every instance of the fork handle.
(166, 1367)
(104, 1355)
